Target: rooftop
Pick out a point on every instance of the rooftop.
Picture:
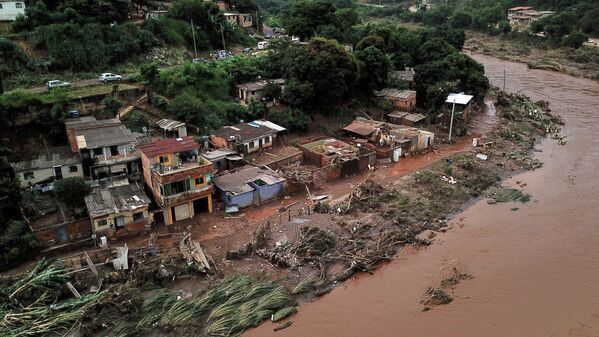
(169, 124)
(395, 93)
(169, 145)
(361, 128)
(54, 156)
(244, 131)
(116, 199)
(237, 182)
(414, 117)
(406, 75)
(259, 85)
(92, 133)
(218, 154)
(460, 98)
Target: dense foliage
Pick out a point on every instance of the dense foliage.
(90, 35)
(16, 243)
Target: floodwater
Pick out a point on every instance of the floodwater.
(536, 269)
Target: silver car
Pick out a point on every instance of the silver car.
(58, 84)
(110, 77)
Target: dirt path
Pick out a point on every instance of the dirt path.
(535, 269)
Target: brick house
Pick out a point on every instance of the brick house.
(178, 177)
(401, 99)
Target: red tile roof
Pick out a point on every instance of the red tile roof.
(169, 145)
(361, 128)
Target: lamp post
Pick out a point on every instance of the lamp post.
(451, 120)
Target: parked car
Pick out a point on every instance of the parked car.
(110, 77)
(222, 54)
(58, 84)
(199, 60)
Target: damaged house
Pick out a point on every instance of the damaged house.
(118, 209)
(106, 147)
(389, 140)
(178, 176)
(172, 128)
(248, 186)
(460, 107)
(246, 138)
(52, 164)
(338, 158)
(406, 118)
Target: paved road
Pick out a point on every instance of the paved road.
(81, 83)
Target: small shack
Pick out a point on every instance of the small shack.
(248, 186)
(172, 128)
(400, 99)
(223, 159)
(406, 118)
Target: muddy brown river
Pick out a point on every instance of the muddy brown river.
(536, 269)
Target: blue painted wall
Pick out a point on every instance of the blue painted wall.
(241, 200)
(268, 192)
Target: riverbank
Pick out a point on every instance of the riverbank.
(534, 268)
(582, 62)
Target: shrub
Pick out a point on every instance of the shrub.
(72, 191)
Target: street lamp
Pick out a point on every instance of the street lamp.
(451, 120)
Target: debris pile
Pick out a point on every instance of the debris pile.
(311, 244)
(507, 195)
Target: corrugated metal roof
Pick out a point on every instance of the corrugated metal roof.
(116, 199)
(56, 156)
(414, 117)
(395, 93)
(460, 98)
(270, 125)
(169, 124)
(237, 182)
(259, 85)
(105, 136)
(360, 128)
(244, 131)
(169, 145)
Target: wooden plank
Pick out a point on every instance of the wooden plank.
(201, 254)
(90, 264)
(73, 290)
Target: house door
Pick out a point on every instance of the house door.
(57, 172)
(181, 212)
(200, 206)
(119, 222)
(256, 197)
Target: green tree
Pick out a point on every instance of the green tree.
(460, 19)
(137, 121)
(17, 245)
(373, 65)
(435, 49)
(272, 91)
(187, 107)
(323, 72)
(306, 17)
(11, 196)
(71, 191)
(111, 106)
(294, 120)
(575, 39)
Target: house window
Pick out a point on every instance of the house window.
(200, 181)
(73, 168)
(138, 216)
(19, 5)
(98, 151)
(267, 140)
(0, 6)
(102, 223)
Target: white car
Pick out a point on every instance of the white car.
(58, 84)
(110, 77)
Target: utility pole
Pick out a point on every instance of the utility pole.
(193, 33)
(451, 120)
(222, 35)
(504, 79)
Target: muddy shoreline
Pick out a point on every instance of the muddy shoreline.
(521, 259)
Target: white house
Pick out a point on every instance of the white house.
(9, 9)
